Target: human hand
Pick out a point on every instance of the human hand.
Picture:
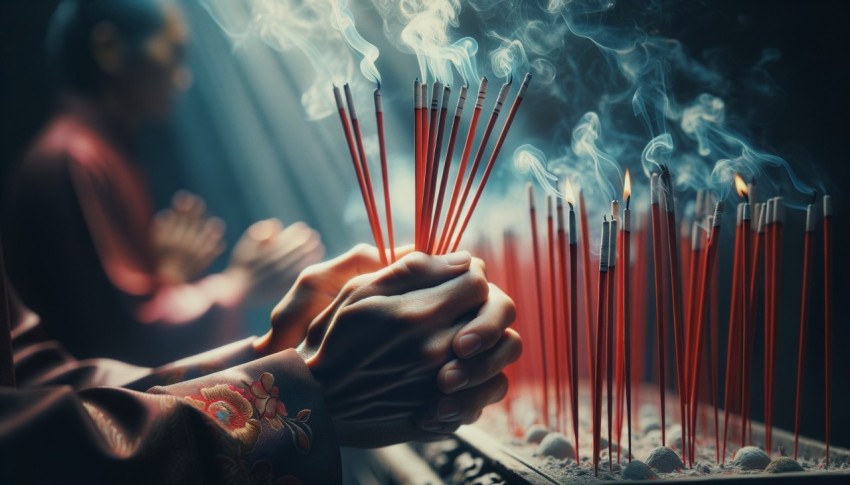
(185, 241)
(315, 289)
(268, 257)
(484, 346)
(377, 348)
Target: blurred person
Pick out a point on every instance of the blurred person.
(257, 411)
(107, 277)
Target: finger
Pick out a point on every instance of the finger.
(462, 374)
(265, 230)
(444, 304)
(465, 406)
(485, 330)
(414, 272)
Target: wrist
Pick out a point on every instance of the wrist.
(262, 345)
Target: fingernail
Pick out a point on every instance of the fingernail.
(432, 426)
(459, 258)
(448, 408)
(468, 344)
(455, 379)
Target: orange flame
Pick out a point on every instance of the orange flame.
(627, 186)
(741, 186)
(569, 194)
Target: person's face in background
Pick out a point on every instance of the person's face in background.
(145, 81)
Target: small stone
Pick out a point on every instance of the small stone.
(664, 460)
(535, 434)
(648, 425)
(783, 464)
(638, 470)
(674, 436)
(556, 446)
(751, 458)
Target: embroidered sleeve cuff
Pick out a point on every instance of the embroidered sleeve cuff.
(273, 410)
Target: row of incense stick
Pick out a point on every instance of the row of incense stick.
(431, 183)
(615, 314)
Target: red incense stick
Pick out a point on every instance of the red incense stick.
(627, 305)
(827, 315)
(461, 171)
(708, 262)
(778, 217)
(493, 156)
(659, 292)
(602, 292)
(425, 218)
(574, 320)
(379, 119)
(734, 333)
(610, 317)
(364, 166)
(539, 293)
(564, 355)
(433, 242)
(476, 162)
(417, 147)
(588, 306)
(808, 246)
(358, 169)
(676, 287)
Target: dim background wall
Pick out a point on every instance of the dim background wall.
(807, 124)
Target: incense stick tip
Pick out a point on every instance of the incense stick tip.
(827, 205)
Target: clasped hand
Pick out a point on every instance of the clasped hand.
(406, 352)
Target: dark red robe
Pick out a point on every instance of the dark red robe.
(77, 235)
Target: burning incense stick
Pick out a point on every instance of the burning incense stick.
(493, 156)
(627, 306)
(746, 337)
(586, 269)
(358, 168)
(565, 354)
(379, 119)
(433, 242)
(708, 262)
(539, 294)
(610, 317)
(417, 148)
(573, 314)
(659, 292)
(827, 315)
(676, 287)
(808, 246)
(734, 333)
(461, 171)
(430, 150)
(476, 162)
(364, 167)
(600, 343)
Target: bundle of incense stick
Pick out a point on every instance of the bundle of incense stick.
(617, 320)
(430, 181)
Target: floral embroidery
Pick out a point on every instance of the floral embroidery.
(237, 471)
(263, 395)
(229, 408)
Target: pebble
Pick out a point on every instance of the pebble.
(783, 464)
(664, 459)
(648, 425)
(535, 434)
(751, 458)
(638, 470)
(556, 445)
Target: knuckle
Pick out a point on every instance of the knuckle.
(513, 342)
(479, 286)
(413, 264)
